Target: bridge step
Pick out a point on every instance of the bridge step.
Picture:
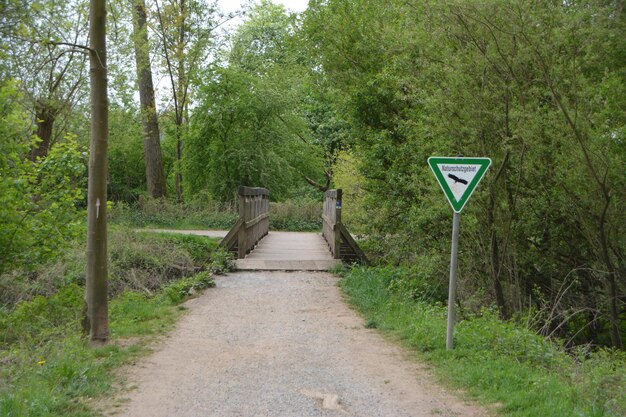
(284, 265)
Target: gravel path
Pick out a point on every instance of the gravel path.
(208, 233)
(281, 344)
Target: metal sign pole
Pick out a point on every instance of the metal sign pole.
(452, 289)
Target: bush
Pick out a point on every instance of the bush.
(37, 320)
(164, 213)
(414, 283)
(35, 196)
(296, 216)
(303, 215)
(222, 261)
(178, 291)
(138, 261)
(496, 361)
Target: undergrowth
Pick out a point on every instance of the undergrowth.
(290, 215)
(138, 261)
(47, 367)
(495, 362)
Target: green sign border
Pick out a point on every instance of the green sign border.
(484, 163)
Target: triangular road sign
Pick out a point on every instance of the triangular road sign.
(458, 177)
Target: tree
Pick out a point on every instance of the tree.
(96, 292)
(155, 178)
(526, 84)
(35, 197)
(38, 41)
(186, 31)
(250, 126)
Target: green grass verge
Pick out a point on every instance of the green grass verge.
(47, 367)
(296, 216)
(493, 361)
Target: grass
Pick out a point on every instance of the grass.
(493, 361)
(296, 216)
(47, 367)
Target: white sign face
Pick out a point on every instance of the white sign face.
(458, 177)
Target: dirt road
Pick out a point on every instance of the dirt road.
(281, 344)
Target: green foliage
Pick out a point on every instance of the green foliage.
(48, 368)
(38, 200)
(149, 261)
(542, 99)
(180, 290)
(127, 171)
(493, 361)
(42, 318)
(243, 136)
(249, 128)
(166, 214)
(138, 261)
(296, 215)
(222, 262)
(302, 214)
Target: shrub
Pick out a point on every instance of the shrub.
(178, 291)
(222, 261)
(296, 216)
(164, 213)
(499, 362)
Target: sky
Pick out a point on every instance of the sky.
(293, 5)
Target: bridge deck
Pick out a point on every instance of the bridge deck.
(289, 251)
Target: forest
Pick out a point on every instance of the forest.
(350, 94)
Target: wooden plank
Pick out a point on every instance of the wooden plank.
(230, 239)
(257, 219)
(352, 243)
(252, 191)
(289, 251)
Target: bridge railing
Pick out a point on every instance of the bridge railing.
(330, 218)
(253, 223)
(339, 240)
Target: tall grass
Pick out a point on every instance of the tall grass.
(47, 367)
(292, 215)
(494, 361)
(296, 216)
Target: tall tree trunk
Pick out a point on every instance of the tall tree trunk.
(97, 317)
(45, 115)
(496, 262)
(155, 178)
(182, 97)
(179, 157)
(612, 273)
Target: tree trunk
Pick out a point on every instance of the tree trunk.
(496, 262)
(155, 178)
(182, 97)
(97, 317)
(612, 272)
(179, 157)
(45, 116)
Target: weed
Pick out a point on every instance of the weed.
(180, 290)
(301, 215)
(46, 365)
(494, 361)
(222, 262)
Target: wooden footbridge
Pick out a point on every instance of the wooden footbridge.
(258, 248)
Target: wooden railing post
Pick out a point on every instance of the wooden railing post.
(243, 232)
(336, 233)
(340, 242)
(253, 223)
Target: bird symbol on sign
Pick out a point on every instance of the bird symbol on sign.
(457, 179)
